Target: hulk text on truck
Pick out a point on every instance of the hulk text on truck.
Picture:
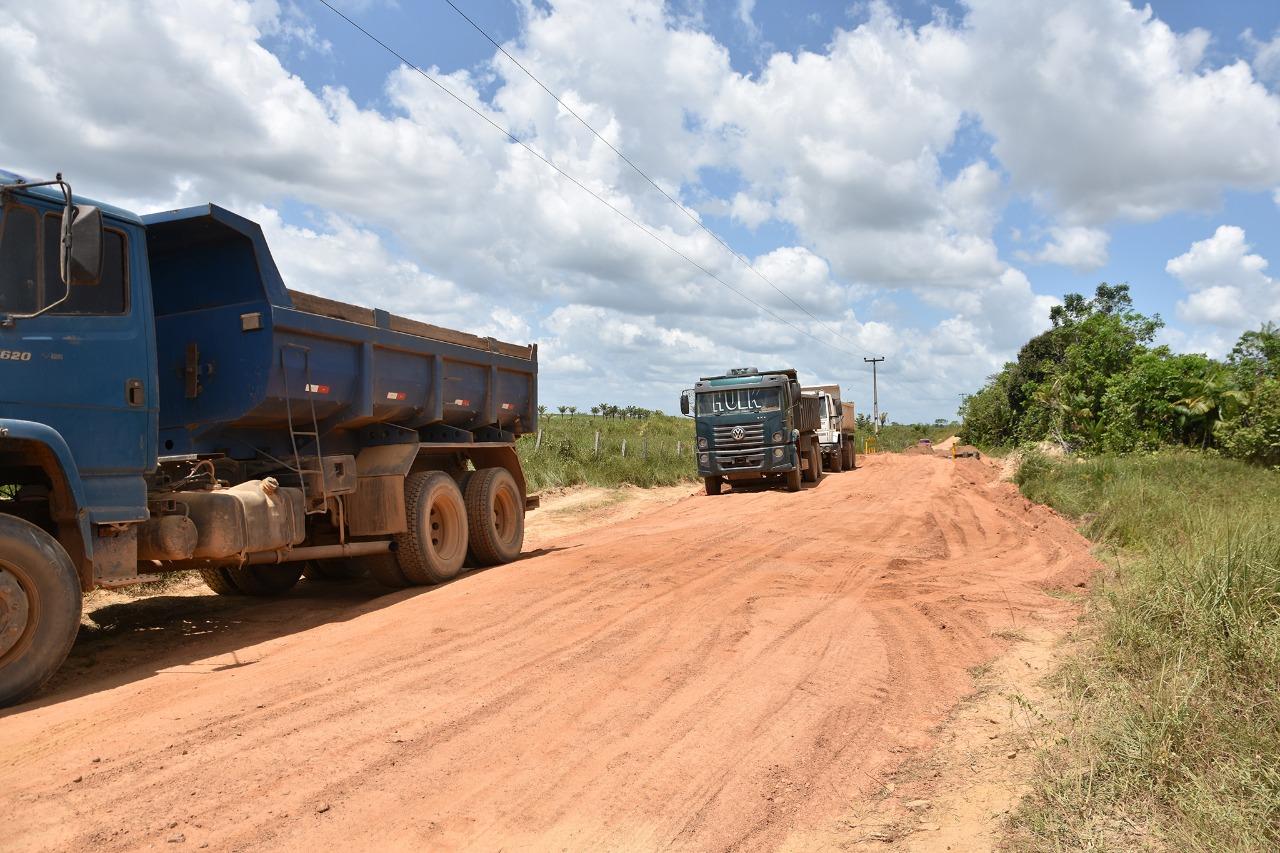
(167, 404)
(754, 426)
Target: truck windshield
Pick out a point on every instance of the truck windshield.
(738, 400)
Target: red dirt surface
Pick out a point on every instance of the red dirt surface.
(734, 672)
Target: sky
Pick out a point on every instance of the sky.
(921, 181)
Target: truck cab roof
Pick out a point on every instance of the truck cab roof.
(54, 194)
(750, 377)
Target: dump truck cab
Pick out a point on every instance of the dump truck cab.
(835, 431)
(752, 426)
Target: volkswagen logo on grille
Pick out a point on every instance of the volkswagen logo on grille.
(738, 433)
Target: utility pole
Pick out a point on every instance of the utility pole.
(875, 394)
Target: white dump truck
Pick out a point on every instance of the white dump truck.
(836, 428)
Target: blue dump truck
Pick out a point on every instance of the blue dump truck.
(754, 426)
(167, 404)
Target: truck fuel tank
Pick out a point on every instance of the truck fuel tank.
(258, 515)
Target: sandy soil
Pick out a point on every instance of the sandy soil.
(751, 671)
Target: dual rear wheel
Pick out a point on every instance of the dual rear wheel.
(477, 523)
(480, 522)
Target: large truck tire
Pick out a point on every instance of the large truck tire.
(813, 453)
(265, 581)
(714, 485)
(837, 458)
(794, 477)
(850, 455)
(347, 569)
(495, 516)
(435, 545)
(219, 580)
(39, 608)
(384, 568)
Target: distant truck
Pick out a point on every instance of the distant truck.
(835, 429)
(754, 426)
(167, 404)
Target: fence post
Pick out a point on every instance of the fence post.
(644, 447)
(597, 449)
(679, 447)
(538, 442)
(624, 448)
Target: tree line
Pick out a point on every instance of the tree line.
(607, 410)
(1095, 382)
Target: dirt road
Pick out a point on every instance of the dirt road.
(739, 672)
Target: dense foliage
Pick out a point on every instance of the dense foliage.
(1094, 382)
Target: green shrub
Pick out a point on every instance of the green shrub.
(1255, 434)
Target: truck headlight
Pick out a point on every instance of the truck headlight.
(704, 458)
(777, 453)
(702, 443)
(777, 438)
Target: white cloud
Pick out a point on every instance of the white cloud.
(1099, 110)
(1083, 249)
(1266, 57)
(751, 212)
(1229, 287)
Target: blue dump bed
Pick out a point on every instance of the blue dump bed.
(239, 355)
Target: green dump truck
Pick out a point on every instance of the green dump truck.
(754, 426)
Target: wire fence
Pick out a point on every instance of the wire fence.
(601, 445)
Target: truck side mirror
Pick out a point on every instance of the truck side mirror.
(684, 401)
(83, 223)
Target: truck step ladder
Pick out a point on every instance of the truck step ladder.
(313, 434)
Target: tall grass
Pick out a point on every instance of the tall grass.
(659, 452)
(1174, 732)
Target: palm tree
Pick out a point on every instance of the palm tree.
(595, 410)
(1213, 399)
(562, 409)
(573, 410)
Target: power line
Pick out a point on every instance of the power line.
(575, 181)
(692, 218)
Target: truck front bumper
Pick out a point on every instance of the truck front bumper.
(747, 464)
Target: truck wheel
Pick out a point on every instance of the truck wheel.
(333, 570)
(850, 456)
(714, 485)
(39, 608)
(384, 568)
(793, 480)
(495, 516)
(814, 457)
(219, 580)
(837, 458)
(265, 580)
(435, 546)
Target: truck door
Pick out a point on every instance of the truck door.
(85, 368)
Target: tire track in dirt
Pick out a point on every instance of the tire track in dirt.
(719, 673)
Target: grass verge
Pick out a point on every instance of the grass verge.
(1172, 736)
(659, 452)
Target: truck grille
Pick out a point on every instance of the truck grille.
(752, 438)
